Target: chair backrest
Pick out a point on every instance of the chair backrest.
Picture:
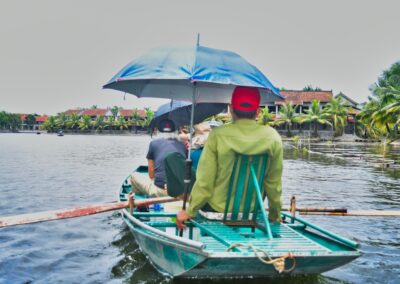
(245, 194)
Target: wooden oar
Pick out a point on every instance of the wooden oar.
(372, 213)
(76, 212)
(319, 209)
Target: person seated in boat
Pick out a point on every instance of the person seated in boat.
(199, 139)
(243, 136)
(168, 142)
(175, 163)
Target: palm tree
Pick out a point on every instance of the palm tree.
(315, 116)
(86, 123)
(136, 118)
(111, 122)
(386, 93)
(369, 128)
(73, 122)
(338, 114)
(287, 115)
(50, 124)
(99, 124)
(62, 120)
(114, 110)
(149, 114)
(310, 88)
(122, 123)
(266, 117)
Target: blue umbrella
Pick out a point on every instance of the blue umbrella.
(180, 112)
(198, 74)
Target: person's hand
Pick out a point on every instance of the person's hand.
(181, 217)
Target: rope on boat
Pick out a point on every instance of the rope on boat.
(278, 263)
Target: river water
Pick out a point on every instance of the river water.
(46, 172)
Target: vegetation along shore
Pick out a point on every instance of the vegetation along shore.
(310, 112)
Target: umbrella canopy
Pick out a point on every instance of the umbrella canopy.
(179, 112)
(172, 72)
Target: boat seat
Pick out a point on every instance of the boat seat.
(245, 199)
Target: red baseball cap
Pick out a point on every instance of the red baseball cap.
(245, 99)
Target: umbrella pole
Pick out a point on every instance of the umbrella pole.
(188, 162)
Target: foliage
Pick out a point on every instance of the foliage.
(381, 115)
(30, 120)
(86, 123)
(316, 116)
(62, 120)
(311, 88)
(149, 114)
(73, 121)
(121, 123)
(114, 110)
(136, 119)
(111, 122)
(337, 111)
(266, 117)
(287, 115)
(100, 123)
(50, 124)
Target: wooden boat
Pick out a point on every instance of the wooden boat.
(212, 249)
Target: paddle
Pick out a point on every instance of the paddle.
(372, 213)
(30, 218)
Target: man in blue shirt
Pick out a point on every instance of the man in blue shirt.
(155, 183)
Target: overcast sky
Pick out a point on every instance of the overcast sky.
(56, 55)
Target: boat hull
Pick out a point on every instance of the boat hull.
(204, 256)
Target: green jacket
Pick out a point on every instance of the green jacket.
(243, 136)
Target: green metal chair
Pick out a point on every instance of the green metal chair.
(245, 196)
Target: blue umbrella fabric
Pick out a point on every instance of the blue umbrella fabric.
(179, 112)
(172, 73)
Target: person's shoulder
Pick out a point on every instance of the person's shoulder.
(271, 132)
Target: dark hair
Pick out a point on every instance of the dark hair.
(245, 114)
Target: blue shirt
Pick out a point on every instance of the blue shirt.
(158, 150)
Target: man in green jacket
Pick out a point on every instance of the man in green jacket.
(243, 136)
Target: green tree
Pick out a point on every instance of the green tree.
(266, 117)
(86, 123)
(121, 123)
(314, 115)
(3, 120)
(149, 114)
(73, 122)
(93, 107)
(338, 112)
(100, 123)
(311, 88)
(111, 123)
(287, 115)
(114, 110)
(382, 113)
(30, 121)
(136, 119)
(50, 124)
(62, 121)
(365, 117)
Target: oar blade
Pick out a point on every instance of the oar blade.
(75, 212)
(59, 214)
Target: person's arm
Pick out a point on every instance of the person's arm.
(205, 177)
(273, 182)
(150, 164)
(204, 185)
(150, 160)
